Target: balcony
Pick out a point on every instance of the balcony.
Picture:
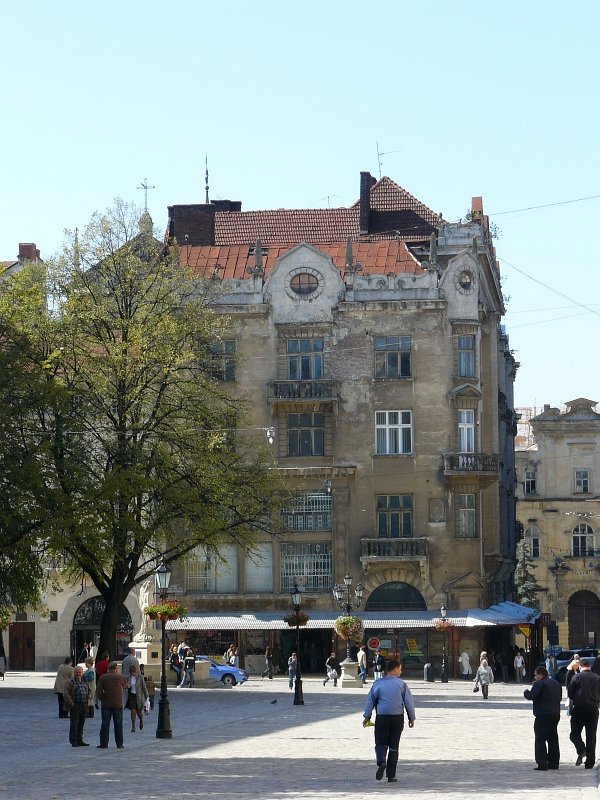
(302, 391)
(482, 467)
(381, 550)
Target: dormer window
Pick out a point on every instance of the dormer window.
(304, 283)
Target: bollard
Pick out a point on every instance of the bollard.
(428, 673)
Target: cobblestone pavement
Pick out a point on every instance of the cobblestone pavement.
(238, 743)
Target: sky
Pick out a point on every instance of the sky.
(291, 100)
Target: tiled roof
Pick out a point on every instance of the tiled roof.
(394, 212)
(230, 261)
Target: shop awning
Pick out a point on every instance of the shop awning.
(501, 614)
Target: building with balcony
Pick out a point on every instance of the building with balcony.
(558, 511)
(369, 340)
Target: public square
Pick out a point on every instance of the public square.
(232, 743)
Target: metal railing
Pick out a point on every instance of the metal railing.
(302, 390)
(471, 462)
(405, 549)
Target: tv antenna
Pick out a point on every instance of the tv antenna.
(379, 154)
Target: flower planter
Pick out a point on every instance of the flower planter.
(152, 615)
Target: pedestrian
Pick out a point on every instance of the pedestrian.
(268, 664)
(234, 659)
(92, 650)
(584, 692)
(333, 670)
(84, 653)
(64, 673)
(292, 669)
(137, 694)
(77, 692)
(484, 676)
(89, 676)
(182, 650)
(189, 667)
(128, 661)
(102, 665)
(175, 663)
(519, 665)
(362, 664)
(390, 696)
(151, 686)
(551, 665)
(378, 665)
(546, 694)
(465, 665)
(109, 694)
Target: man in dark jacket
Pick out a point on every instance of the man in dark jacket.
(584, 691)
(110, 694)
(546, 694)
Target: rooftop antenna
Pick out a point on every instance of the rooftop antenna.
(206, 178)
(379, 154)
(144, 185)
(328, 198)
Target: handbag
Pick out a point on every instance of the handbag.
(476, 688)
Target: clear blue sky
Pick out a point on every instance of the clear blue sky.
(289, 100)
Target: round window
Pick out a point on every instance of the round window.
(304, 283)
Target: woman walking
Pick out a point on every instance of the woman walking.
(189, 668)
(269, 664)
(64, 674)
(484, 676)
(137, 694)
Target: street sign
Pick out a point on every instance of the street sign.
(373, 643)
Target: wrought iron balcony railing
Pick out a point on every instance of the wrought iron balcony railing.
(471, 462)
(393, 549)
(302, 390)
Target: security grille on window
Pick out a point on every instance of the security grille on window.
(305, 359)
(393, 432)
(530, 481)
(466, 430)
(465, 346)
(306, 434)
(308, 563)
(466, 519)
(532, 538)
(393, 357)
(582, 481)
(395, 516)
(583, 540)
(224, 366)
(208, 573)
(308, 512)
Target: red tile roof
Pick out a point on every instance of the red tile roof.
(394, 212)
(230, 261)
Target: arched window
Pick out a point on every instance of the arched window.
(583, 540)
(396, 596)
(532, 537)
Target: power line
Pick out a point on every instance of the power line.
(545, 205)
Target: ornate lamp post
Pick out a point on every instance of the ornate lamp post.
(162, 575)
(344, 601)
(296, 600)
(443, 612)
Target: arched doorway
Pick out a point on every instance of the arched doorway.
(396, 596)
(86, 627)
(584, 620)
(409, 644)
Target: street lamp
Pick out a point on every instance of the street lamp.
(162, 576)
(296, 600)
(342, 598)
(443, 612)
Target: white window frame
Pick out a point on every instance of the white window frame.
(583, 543)
(532, 537)
(466, 430)
(466, 515)
(581, 481)
(393, 433)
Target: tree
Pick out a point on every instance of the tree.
(144, 452)
(526, 586)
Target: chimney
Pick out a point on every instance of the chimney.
(366, 181)
(476, 208)
(195, 224)
(28, 252)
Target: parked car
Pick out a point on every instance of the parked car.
(225, 673)
(564, 658)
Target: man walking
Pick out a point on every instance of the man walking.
(546, 694)
(76, 696)
(128, 661)
(362, 664)
(390, 696)
(584, 691)
(109, 693)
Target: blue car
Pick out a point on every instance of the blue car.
(224, 673)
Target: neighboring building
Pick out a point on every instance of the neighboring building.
(558, 487)
(27, 252)
(369, 340)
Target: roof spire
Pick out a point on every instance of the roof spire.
(76, 252)
(206, 178)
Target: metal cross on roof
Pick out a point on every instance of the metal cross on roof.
(144, 185)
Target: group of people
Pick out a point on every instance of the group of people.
(501, 665)
(86, 686)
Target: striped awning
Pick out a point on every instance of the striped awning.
(502, 614)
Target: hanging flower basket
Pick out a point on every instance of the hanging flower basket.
(296, 620)
(166, 609)
(349, 628)
(442, 624)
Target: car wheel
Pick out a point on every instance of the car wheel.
(228, 680)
